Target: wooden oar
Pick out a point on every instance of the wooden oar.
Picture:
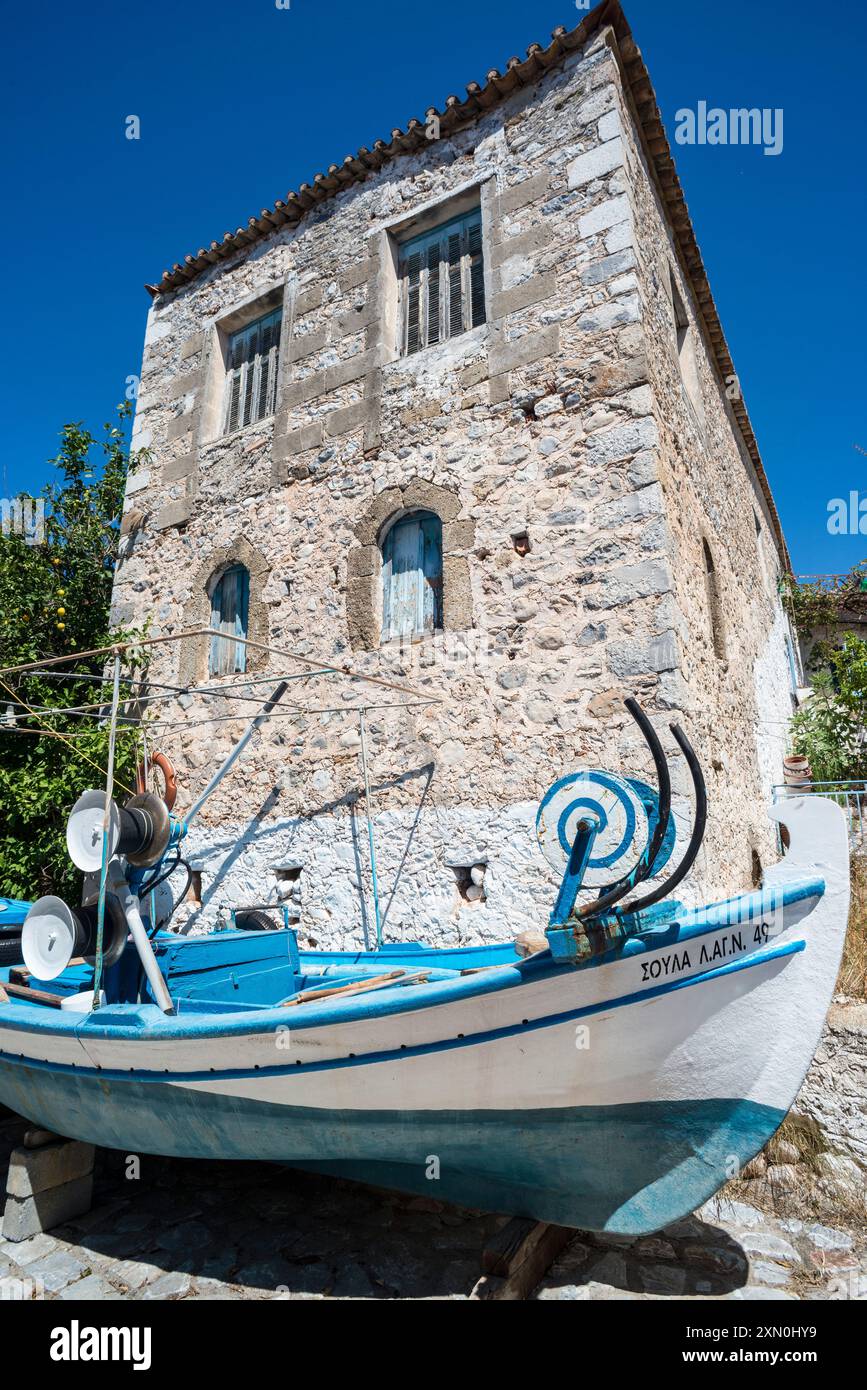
(355, 987)
(36, 996)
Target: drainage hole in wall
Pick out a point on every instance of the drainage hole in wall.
(288, 878)
(470, 882)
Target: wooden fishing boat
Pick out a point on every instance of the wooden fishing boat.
(612, 1081)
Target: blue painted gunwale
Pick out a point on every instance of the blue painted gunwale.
(12, 912)
(153, 1025)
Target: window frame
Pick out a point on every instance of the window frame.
(432, 246)
(714, 603)
(251, 366)
(685, 338)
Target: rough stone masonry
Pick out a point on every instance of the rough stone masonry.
(607, 526)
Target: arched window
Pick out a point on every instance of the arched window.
(412, 576)
(713, 603)
(230, 601)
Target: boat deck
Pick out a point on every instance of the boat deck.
(236, 972)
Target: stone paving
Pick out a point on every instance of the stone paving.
(185, 1230)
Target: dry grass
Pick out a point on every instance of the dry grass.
(801, 1132)
(852, 979)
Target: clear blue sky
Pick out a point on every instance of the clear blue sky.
(241, 101)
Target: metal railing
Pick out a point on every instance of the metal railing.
(852, 796)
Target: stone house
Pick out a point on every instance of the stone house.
(460, 414)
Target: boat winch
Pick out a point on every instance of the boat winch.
(609, 833)
(140, 830)
(54, 934)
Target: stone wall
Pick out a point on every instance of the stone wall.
(562, 417)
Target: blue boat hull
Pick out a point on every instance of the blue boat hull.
(630, 1169)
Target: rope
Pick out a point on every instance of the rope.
(119, 647)
(106, 827)
(370, 832)
(53, 733)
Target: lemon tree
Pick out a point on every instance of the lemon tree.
(55, 595)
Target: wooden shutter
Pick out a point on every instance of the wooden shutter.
(412, 577)
(441, 283)
(432, 572)
(230, 602)
(413, 303)
(432, 323)
(251, 375)
(477, 273)
(454, 252)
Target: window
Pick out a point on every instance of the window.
(442, 283)
(685, 341)
(251, 372)
(412, 577)
(713, 603)
(230, 599)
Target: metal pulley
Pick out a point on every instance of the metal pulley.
(627, 811)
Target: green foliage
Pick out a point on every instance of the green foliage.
(54, 601)
(830, 732)
(824, 602)
(848, 667)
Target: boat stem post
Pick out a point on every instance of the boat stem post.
(370, 832)
(106, 831)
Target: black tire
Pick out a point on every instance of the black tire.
(10, 948)
(256, 921)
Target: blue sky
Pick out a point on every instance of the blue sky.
(239, 102)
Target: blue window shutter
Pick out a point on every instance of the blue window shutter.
(412, 577)
(432, 572)
(243, 601)
(405, 596)
(229, 607)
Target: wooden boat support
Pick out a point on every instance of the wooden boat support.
(517, 1258)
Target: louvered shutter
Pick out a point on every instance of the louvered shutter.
(234, 411)
(477, 273)
(251, 374)
(442, 283)
(455, 242)
(433, 294)
(413, 302)
(268, 349)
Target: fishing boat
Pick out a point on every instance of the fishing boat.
(610, 1076)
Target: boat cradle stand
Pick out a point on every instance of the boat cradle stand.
(517, 1258)
(50, 1181)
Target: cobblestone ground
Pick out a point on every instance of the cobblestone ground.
(256, 1231)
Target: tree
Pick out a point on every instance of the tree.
(55, 597)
